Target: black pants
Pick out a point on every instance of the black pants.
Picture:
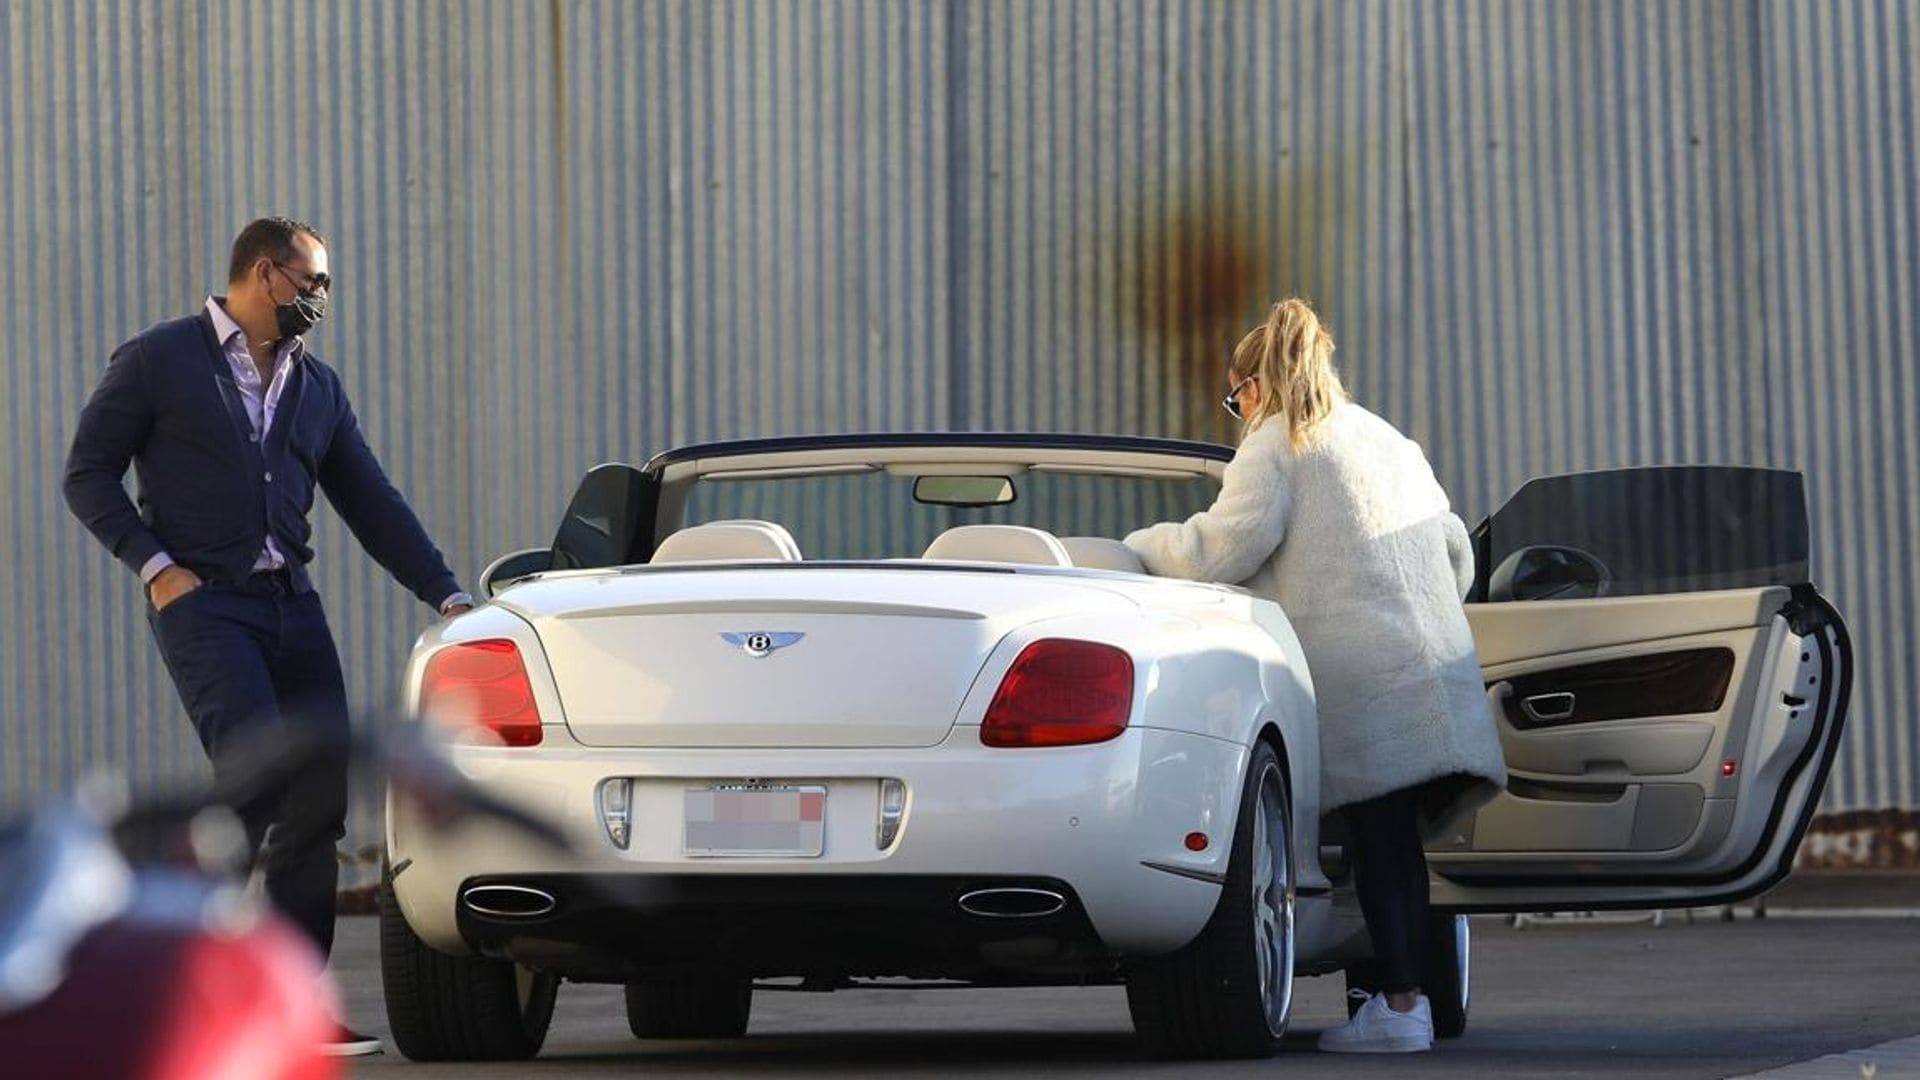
(1390, 875)
(254, 663)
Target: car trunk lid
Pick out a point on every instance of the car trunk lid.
(801, 656)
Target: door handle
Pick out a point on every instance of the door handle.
(1548, 708)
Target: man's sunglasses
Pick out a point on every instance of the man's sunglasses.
(1232, 400)
(314, 282)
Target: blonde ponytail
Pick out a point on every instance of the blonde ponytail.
(1292, 356)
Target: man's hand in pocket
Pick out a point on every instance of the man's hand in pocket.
(171, 584)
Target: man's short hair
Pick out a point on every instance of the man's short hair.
(267, 238)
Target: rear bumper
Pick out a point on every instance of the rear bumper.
(619, 928)
(1088, 819)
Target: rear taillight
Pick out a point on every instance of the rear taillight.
(1061, 693)
(481, 685)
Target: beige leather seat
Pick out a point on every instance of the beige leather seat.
(998, 544)
(724, 541)
(1102, 553)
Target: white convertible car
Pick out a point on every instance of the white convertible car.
(888, 710)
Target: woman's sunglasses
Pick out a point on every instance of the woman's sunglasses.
(1232, 400)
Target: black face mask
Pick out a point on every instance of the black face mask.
(298, 315)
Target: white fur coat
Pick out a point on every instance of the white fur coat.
(1355, 539)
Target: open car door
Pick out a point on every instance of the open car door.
(1668, 687)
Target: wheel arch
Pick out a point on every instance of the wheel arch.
(1269, 733)
(1297, 748)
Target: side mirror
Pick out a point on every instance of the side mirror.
(1547, 573)
(510, 568)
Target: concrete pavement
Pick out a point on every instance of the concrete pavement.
(1575, 999)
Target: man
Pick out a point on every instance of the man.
(229, 423)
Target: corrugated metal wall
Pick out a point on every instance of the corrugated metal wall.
(1548, 237)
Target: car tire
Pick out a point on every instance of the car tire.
(690, 1007)
(1445, 976)
(458, 1008)
(1229, 992)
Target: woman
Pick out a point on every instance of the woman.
(1333, 513)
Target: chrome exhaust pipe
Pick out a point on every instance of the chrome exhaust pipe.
(509, 901)
(1012, 903)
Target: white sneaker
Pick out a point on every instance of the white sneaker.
(1377, 1029)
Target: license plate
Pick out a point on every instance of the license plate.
(745, 819)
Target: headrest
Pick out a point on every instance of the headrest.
(720, 541)
(998, 543)
(1101, 553)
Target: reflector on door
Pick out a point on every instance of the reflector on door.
(750, 820)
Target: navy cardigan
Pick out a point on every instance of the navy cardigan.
(209, 490)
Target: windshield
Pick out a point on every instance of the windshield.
(874, 515)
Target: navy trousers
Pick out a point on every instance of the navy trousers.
(255, 662)
(1390, 876)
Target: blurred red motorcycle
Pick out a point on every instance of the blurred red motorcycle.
(162, 966)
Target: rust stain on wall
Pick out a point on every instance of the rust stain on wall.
(1862, 840)
(1201, 282)
(1212, 261)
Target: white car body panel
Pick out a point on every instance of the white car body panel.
(933, 637)
(1086, 815)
